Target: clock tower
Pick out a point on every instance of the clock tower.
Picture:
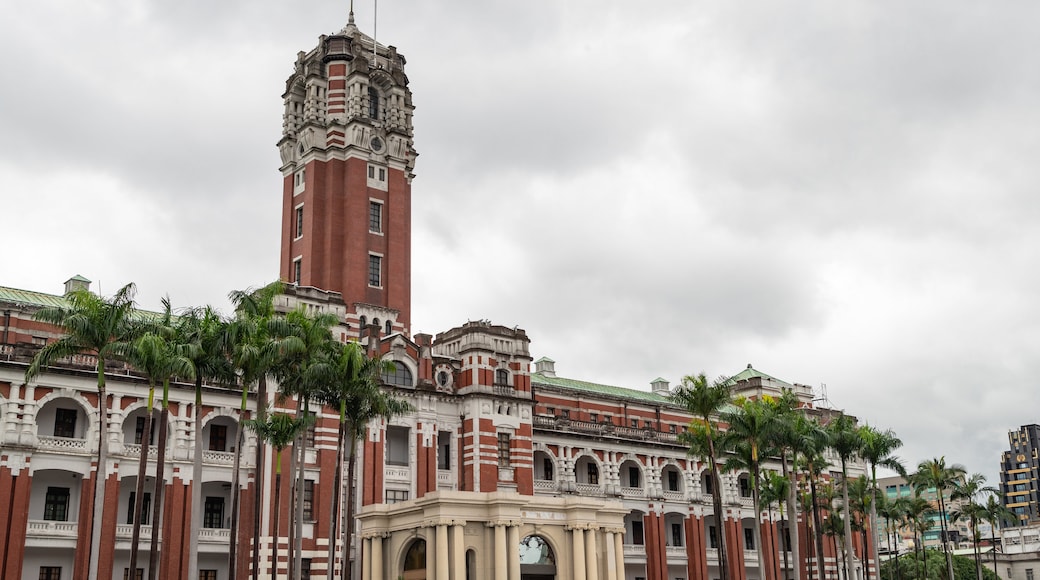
(347, 160)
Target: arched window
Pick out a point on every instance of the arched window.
(402, 376)
(373, 103)
(389, 327)
(363, 322)
(415, 557)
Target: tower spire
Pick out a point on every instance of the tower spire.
(350, 17)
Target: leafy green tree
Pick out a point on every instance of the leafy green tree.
(96, 326)
(278, 430)
(937, 475)
(810, 441)
(705, 400)
(846, 442)
(351, 383)
(919, 512)
(877, 450)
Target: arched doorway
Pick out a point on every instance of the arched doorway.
(537, 561)
(415, 561)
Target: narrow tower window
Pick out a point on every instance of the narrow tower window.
(299, 222)
(375, 269)
(373, 103)
(297, 270)
(375, 217)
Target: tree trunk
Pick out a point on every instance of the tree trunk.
(142, 470)
(817, 524)
(348, 526)
(98, 512)
(849, 556)
(756, 530)
(157, 495)
(277, 509)
(783, 536)
(261, 415)
(337, 487)
(792, 513)
(300, 490)
(716, 500)
(236, 492)
(873, 523)
(944, 530)
(294, 501)
(196, 487)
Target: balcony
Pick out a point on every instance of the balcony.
(218, 457)
(62, 444)
(674, 496)
(51, 529)
(215, 535)
(126, 531)
(676, 552)
(634, 550)
(589, 488)
(633, 492)
(134, 450)
(445, 479)
(608, 430)
(546, 485)
(403, 474)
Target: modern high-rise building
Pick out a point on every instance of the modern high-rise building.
(502, 471)
(1019, 472)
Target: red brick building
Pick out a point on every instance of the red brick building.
(500, 472)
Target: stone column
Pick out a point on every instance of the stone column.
(442, 552)
(501, 565)
(513, 551)
(591, 556)
(377, 558)
(619, 553)
(578, 553)
(611, 549)
(366, 559)
(458, 549)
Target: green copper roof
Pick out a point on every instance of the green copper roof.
(751, 373)
(598, 389)
(30, 298)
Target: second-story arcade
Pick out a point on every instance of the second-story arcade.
(347, 159)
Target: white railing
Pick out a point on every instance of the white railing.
(634, 550)
(589, 488)
(62, 444)
(675, 551)
(747, 501)
(127, 531)
(219, 457)
(48, 528)
(545, 485)
(397, 474)
(712, 556)
(751, 557)
(215, 535)
(633, 492)
(134, 450)
(674, 496)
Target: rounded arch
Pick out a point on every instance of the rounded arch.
(672, 480)
(218, 412)
(634, 533)
(537, 556)
(588, 468)
(404, 373)
(545, 465)
(413, 560)
(632, 472)
(49, 425)
(130, 427)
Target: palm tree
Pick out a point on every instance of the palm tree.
(352, 385)
(996, 513)
(810, 442)
(254, 355)
(785, 439)
(705, 401)
(918, 512)
(862, 498)
(893, 512)
(147, 354)
(305, 339)
(205, 330)
(877, 450)
(171, 361)
(100, 327)
(750, 426)
(967, 489)
(936, 474)
(845, 441)
(776, 489)
(278, 430)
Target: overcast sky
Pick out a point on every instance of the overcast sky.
(839, 193)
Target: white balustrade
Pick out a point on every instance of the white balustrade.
(67, 444)
(46, 528)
